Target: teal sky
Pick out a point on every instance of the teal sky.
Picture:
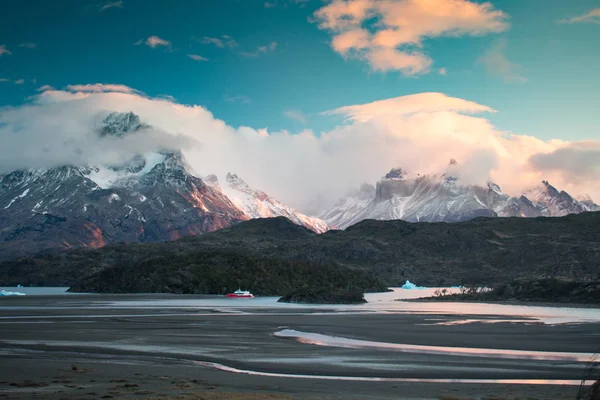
(550, 89)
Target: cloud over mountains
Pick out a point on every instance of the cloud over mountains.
(419, 132)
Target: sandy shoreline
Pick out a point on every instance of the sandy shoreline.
(156, 352)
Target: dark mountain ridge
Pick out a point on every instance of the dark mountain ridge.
(479, 251)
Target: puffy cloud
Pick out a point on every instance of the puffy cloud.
(4, 50)
(260, 50)
(418, 132)
(389, 34)
(592, 16)
(153, 42)
(575, 162)
(408, 105)
(496, 63)
(295, 115)
(196, 57)
(45, 87)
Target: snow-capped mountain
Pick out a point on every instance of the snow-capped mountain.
(258, 204)
(153, 197)
(559, 203)
(441, 198)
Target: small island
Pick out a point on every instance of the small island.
(323, 295)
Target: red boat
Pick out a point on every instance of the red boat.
(241, 294)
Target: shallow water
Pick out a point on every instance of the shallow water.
(37, 291)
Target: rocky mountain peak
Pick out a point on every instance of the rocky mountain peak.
(396, 173)
(120, 124)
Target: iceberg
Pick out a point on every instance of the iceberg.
(410, 285)
(5, 293)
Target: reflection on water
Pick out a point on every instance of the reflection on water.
(222, 367)
(457, 312)
(336, 341)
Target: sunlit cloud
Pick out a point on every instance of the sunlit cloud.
(196, 57)
(418, 132)
(592, 16)
(4, 50)
(101, 87)
(153, 42)
(390, 34)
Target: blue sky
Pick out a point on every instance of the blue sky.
(555, 94)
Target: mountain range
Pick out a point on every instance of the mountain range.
(156, 197)
(271, 253)
(443, 198)
(152, 197)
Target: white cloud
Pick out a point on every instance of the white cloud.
(390, 34)
(496, 63)
(196, 57)
(111, 4)
(44, 88)
(20, 81)
(28, 45)
(419, 132)
(153, 42)
(443, 71)
(238, 99)
(4, 50)
(222, 42)
(295, 115)
(101, 87)
(592, 16)
(260, 50)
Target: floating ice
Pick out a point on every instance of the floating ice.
(5, 293)
(410, 285)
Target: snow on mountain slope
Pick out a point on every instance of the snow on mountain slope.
(152, 197)
(258, 204)
(559, 203)
(442, 198)
(349, 206)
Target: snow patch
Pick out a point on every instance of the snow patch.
(18, 197)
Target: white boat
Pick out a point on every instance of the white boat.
(241, 294)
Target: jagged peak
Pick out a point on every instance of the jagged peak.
(396, 173)
(211, 180)
(235, 181)
(119, 124)
(494, 187)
